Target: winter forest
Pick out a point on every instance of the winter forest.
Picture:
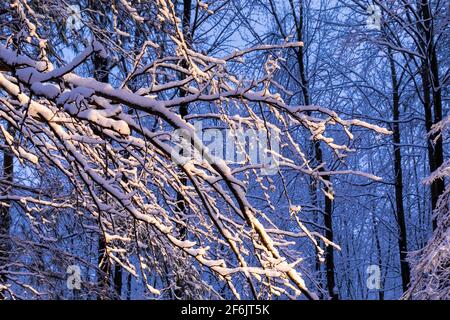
(224, 149)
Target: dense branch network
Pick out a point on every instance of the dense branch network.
(113, 143)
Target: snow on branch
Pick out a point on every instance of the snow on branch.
(113, 143)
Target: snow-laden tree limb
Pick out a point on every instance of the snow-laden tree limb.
(113, 143)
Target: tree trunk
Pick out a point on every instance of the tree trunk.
(328, 210)
(183, 109)
(118, 280)
(398, 174)
(5, 212)
(101, 73)
(431, 83)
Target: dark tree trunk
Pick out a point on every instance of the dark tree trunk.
(431, 84)
(328, 222)
(183, 109)
(328, 210)
(398, 174)
(181, 206)
(101, 73)
(129, 286)
(5, 214)
(118, 280)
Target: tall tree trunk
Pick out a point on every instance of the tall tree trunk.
(328, 222)
(431, 83)
(183, 109)
(118, 271)
(328, 209)
(129, 286)
(398, 173)
(5, 212)
(101, 73)
(186, 24)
